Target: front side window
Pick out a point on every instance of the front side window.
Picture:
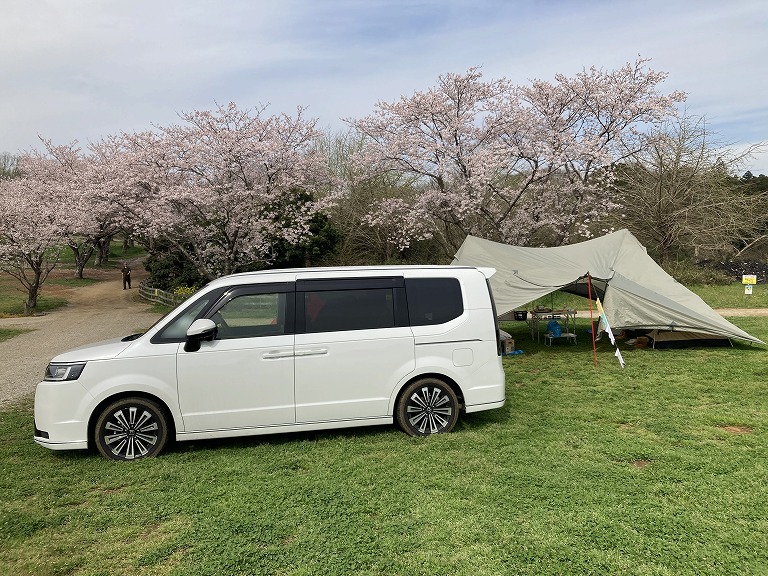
(251, 315)
(176, 331)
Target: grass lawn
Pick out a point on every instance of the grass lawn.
(70, 282)
(8, 333)
(13, 296)
(116, 256)
(732, 296)
(658, 469)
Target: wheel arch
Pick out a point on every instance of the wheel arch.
(96, 412)
(437, 375)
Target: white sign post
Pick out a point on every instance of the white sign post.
(748, 280)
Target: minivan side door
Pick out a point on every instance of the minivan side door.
(353, 345)
(245, 377)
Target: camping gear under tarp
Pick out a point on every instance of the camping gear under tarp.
(635, 292)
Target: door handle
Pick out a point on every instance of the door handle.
(312, 352)
(274, 354)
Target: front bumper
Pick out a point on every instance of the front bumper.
(82, 445)
(61, 415)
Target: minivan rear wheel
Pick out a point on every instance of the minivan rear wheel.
(131, 428)
(427, 406)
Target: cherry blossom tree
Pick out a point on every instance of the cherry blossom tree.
(514, 164)
(367, 238)
(225, 185)
(31, 233)
(88, 182)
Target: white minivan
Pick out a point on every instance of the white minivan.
(284, 350)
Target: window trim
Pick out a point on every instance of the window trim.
(359, 283)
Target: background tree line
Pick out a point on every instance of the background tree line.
(544, 164)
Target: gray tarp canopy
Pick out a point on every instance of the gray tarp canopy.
(635, 292)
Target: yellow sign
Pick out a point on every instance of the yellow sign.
(749, 279)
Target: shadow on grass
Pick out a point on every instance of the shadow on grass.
(373, 433)
(283, 438)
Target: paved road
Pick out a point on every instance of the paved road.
(96, 312)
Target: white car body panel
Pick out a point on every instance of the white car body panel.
(239, 383)
(291, 382)
(99, 351)
(351, 374)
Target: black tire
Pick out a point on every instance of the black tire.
(427, 406)
(130, 429)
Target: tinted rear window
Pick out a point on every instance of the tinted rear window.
(433, 300)
(339, 310)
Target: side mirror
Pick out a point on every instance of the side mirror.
(199, 330)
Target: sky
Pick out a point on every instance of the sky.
(82, 70)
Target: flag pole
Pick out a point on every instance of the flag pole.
(591, 318)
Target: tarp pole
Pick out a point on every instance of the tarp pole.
(591, 318)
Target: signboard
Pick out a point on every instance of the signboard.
(748, 289)
(749, 279)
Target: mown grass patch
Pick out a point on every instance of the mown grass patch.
(12, 305)
(733, 296)
(13, 296)
(657, 468)
(156, 307)
(71, 282)
(8, 333)
(116, 256)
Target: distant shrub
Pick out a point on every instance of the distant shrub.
(168, 269)
(689, 273)
(184, 291)
(735, 269)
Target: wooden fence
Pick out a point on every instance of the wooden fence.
(160, 296)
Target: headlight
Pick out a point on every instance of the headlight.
(60, 372)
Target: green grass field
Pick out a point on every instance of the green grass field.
(8, 333)
(116, 256)
(659, 468)
(13, 296)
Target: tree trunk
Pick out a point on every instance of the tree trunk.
(102, 254)
(33, 290)
(82, 255)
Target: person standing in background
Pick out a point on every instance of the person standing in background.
(126, 271)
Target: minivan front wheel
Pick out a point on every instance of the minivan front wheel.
(427, 406)
(131, 428)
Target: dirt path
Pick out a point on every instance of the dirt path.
(742, 312)
(97, 312)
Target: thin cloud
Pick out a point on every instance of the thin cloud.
(83, 69)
